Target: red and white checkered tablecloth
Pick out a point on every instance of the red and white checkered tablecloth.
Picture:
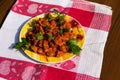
(95, 19)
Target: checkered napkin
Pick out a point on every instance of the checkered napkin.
(95, 19)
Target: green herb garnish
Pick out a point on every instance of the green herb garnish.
(33, 23)
(75, 49)
(51, 37)
(66, 29)
(61, 17)
(47, 28)
(56, 11)
(60, 23)
(29, 29)
(61, 31)
(73, 41)
(39, 36)
(51, 17)
(22, 44)
(73, 46)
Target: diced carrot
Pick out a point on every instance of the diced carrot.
(53, 23)
(34, 48)
(59, 53)
(64, 48)
(45, 44)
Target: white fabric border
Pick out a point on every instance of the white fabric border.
(98, 36)
(91, 57)
(100, 8)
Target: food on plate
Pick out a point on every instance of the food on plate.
(53, 36)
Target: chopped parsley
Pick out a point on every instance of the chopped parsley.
(51, 37)
(73, 46)
(51, 17)
(61, 17)
(39, 36)
(66, 29)
(47, 28)
(61, 31)
(22, 44)
(33, 23)
(56, 11)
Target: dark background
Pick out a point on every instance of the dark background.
(111, 62)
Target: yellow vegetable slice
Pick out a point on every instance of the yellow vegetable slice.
(54, 59)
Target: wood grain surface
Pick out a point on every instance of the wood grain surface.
(111, 61)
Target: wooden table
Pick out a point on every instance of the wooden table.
(111, 64)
